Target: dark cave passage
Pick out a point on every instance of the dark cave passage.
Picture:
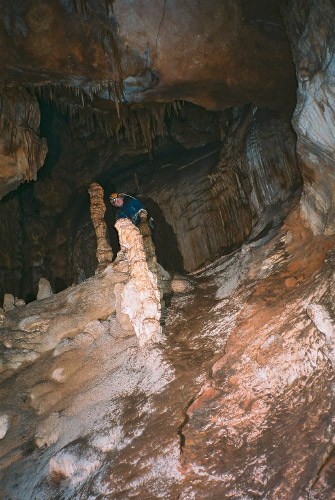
(210, 179)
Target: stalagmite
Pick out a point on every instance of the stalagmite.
(44, 289)
(4, 425)
(97, 208)
(163, 277)
(19, 302)
(148, 244)
(140, 297)
(8, 302)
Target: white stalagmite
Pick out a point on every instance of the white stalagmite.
(44, 289)
(140, 299)
(8, 302)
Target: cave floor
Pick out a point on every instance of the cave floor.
(223, 408)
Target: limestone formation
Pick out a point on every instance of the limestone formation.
(19, 302)
(8, 302)
(140, 296)
(91, 350)
(214, 201)
(22, 151)
(148, 244)
(229, 391)
(4, 425)
(97, 209)
(44, 330)
(311, 31)
(44, 289)
(249, 54)
(179, 284)
(163, 277)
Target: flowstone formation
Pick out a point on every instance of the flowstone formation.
(216, 379)
(311, 31)
(49, 349)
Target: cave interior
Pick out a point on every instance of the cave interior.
(219, 117)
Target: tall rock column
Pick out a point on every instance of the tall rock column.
(140, 297)
(97, 210)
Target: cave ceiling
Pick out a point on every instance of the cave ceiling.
(215, 54)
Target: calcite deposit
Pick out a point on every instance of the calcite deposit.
(231, 385)
(311, 31)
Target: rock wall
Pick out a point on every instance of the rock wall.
(214, 207)
(11, 238)
(311, 31)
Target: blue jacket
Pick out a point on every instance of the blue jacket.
(130, 210)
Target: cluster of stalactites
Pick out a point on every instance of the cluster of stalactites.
(22, 151)
(17, 109)
(140, 124)
(82, 6)
(102, 22)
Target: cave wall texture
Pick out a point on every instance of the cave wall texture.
(311, 31)
(188, 106)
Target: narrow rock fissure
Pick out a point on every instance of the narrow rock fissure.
(182, 438)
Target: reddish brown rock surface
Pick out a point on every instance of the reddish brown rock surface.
(262, 423)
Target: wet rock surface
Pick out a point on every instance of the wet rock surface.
(229, 392)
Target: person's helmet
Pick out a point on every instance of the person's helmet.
(113, 197)
(116, 199)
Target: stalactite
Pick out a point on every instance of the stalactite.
(140, 124)
(108, 41)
